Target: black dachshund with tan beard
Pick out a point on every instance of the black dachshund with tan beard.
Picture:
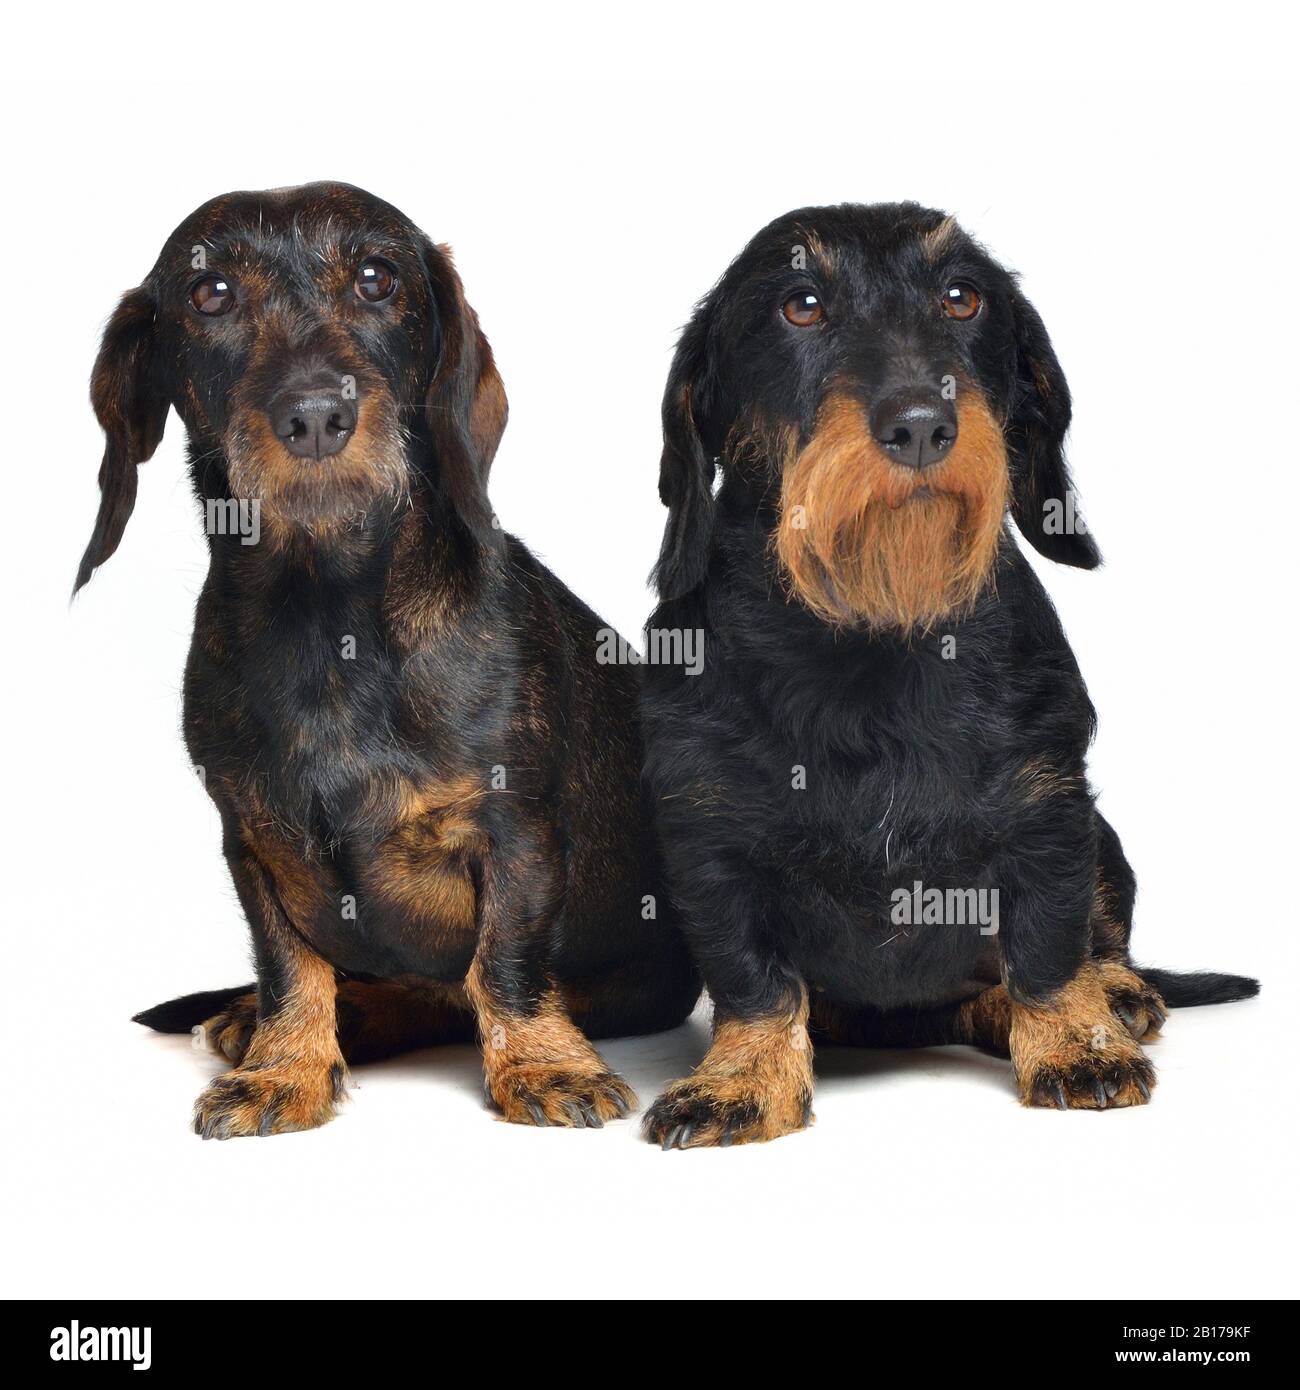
(873, 799)
(429, 786)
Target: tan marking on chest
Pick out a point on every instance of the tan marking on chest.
(424, 864)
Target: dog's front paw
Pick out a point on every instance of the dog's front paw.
(269, 1100)
(229, 1032)
(1074, 1053)
(569, 1093)
(1101, 1073)
(737, 1108)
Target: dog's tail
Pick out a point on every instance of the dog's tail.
(1183, 989)
(184, 1015)
(375, 1019)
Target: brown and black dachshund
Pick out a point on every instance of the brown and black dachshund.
(873, 799)
(428, 782)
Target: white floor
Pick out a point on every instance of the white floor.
(922, 1177)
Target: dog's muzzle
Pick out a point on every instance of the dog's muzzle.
(915, 426)
(315, 422)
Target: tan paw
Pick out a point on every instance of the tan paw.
(706, 1110)
(1102, 1071)
(569, 1093)
(269, 1099)
(755, 1083)
(1074, 1053)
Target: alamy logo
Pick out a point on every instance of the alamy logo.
(77, 1343)
(664, 646)
(235, 516)
(920, 906)
(1061, 516)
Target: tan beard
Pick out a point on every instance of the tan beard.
(865, 542)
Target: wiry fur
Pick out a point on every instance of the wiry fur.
(422, 769)
(887, 695)
(864, 542)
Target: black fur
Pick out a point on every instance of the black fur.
(1183, 989)
(185, 1014)
(913, 761)
(472, 683)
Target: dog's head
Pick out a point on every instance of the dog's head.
(871, 377)
(320, 352)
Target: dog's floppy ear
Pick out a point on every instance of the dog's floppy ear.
(1043, 500)
(131, 405)
(686, 470)
(466, 402)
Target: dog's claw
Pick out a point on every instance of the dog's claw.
(555, 1095)
(1088, 1083)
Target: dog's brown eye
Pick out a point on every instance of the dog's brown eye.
(803, 309)
(961, 301)
(375, 281)
(212, 296)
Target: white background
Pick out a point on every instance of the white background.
(594, 177)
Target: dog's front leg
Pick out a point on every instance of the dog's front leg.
(291, 1074)
(1068, 1046)
(755, 1082)
(1072, 1052)
(538, 1068)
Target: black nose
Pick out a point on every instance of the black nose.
(313, 423)
(915, 426)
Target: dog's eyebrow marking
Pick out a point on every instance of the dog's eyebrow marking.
(937, 238)
(816, 246)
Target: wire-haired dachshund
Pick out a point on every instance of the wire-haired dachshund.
(873, 799)
(429, 786)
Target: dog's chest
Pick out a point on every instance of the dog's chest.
(894, 905)
(397, 899)
(857, 831)
(878, 787)
(357, 807)
(877, 833)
